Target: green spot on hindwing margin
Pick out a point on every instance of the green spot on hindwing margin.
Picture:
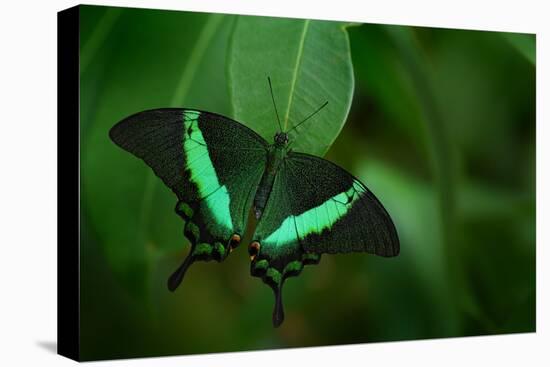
(185, 209)
(262, 264)
(274, 275)
(293, 267)
(202, 249)
(218, 247)
(192, 229)
(311, 257)
(203, 174)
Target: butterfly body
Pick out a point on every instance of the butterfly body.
(276, 155)
(220, 169)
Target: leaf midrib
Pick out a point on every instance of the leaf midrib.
(295, 75)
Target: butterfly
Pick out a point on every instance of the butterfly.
(220, 169)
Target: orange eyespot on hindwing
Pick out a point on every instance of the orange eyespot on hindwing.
(253, 250)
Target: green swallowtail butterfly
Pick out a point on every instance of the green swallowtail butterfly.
(219, 169)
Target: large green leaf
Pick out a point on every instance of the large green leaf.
(309, 62)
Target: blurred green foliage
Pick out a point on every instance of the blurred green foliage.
(441, 129)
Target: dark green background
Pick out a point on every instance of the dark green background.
(441, 129)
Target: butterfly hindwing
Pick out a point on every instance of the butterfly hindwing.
(213, 165)
(316, 207)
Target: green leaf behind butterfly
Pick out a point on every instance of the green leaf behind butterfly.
(525, 44)
(309, 62)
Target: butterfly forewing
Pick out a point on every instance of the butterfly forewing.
(213, 164)
(351, 220)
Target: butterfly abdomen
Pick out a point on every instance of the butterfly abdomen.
(275, 157)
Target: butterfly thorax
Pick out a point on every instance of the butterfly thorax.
(275, 158)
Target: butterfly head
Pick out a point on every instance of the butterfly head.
(281, 139)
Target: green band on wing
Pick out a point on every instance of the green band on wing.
(203, 173)
(315, 220)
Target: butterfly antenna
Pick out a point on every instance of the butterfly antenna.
(307, 118)
(274, 105)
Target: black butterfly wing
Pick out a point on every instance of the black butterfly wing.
(316, 207)
(212, 163)
(355, 219)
